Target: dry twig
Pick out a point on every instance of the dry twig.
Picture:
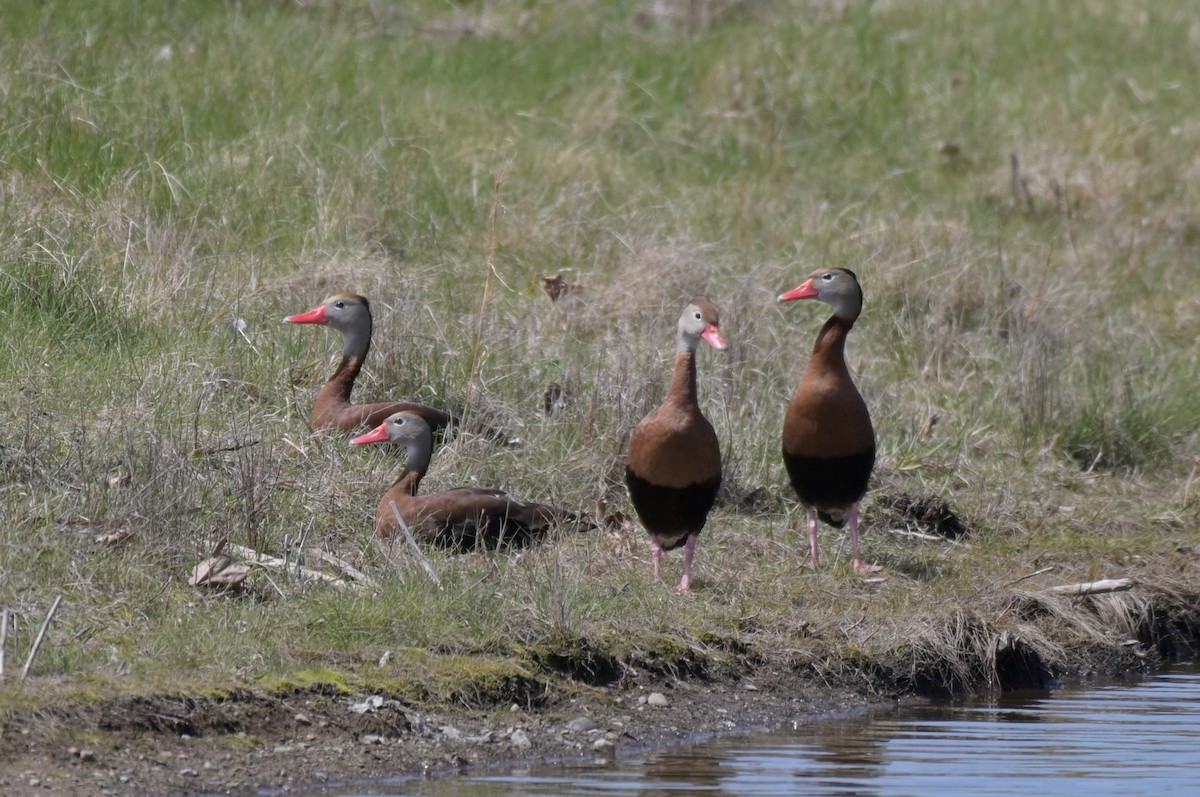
(1093, 587)
(426, 565)
(341, 564)
(3, 639)
(274, 563)
(37, 642)
(1028, 576)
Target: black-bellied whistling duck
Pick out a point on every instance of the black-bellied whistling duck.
(461, 518)
(350, 314)
(674, 468)
(828, 440)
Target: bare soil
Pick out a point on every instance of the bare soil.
(310, 742)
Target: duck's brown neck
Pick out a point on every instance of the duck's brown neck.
(340, 385)
(416, 463)
(683, 383)
(829, 352)
(409, 481)
(356, 342)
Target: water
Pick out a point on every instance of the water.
(1137, 739)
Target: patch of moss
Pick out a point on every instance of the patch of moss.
(728, 643)
(86, 694)
(666, 654)
(320, 680)
(577, 658)
(215, 693)
(78, 691)
(476, 681)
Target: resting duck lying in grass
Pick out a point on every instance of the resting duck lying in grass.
(461, 518)
(350, 314)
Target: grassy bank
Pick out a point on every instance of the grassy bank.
(1016, 188)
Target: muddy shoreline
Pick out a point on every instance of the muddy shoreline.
(305, 742)
(322, 736)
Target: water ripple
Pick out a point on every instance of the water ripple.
(1122, 741)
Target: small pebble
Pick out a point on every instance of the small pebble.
(657, 699)
(581, 725)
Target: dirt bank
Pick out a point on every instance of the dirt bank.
(251, 740)
(299, 737)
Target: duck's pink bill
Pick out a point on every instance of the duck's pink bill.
(804, 291)
(317, 315)
(714, 337)
(377, 435)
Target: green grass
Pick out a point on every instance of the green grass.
(168, 172)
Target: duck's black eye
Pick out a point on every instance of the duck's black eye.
(827, 276)
(339, 303)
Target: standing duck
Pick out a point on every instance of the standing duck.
(674, 468)
(350, 314)
(461, 518)
(828, 440)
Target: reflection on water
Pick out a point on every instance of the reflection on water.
(1139, 739)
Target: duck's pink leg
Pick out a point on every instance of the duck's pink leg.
(813, 545)
(656, 553)
(689, 552)
(859, 566)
